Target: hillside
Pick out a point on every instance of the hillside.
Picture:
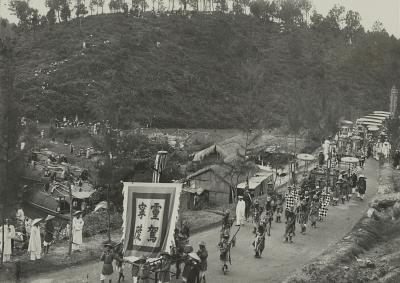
(195, 76)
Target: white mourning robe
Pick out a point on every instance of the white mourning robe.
(9, 233)
(35, 242)
(77, 227)
(240, 212)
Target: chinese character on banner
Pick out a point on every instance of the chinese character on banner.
(138, 232)
(149, 218)
(142, 210)
(155, 209)
(152, 232)
(150, 214)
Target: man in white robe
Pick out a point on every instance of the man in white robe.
(9, 234)
(35, 242)
(240, 211)
(77, 227)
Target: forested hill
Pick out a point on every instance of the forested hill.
(204, 70)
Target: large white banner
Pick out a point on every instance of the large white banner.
(149, 218)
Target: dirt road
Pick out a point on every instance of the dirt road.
(279, 259)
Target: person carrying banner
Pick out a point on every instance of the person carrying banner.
(267, 220)
(193, 268)
(303, 215)
(48, 233)
(224, 248)
(290, 225)
(257, 210)
(361, 186)
(259, 242)
(248, 201)
(314, 208)
(144, 273)
(279, 208)
(164, 275)
(136, 266)
(119, 262)
(203, 255)
(107, 258)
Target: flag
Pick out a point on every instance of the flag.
(149, 218)
(101, 205)
(159, 165)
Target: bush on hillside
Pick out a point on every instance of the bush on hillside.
(97, 222)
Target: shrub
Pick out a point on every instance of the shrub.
(72, 133)
(97, 222)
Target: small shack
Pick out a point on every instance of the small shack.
(257, 185)
(216, 180)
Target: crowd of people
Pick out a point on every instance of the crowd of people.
(305, 203)
(146, 269)
(37, 235)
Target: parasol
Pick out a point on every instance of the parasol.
(373, 128)
(349, 159)
(346, 122)
(305, 157)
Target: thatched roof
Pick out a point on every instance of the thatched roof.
(224, 172)
(234, 148)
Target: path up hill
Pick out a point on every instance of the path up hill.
(172, 71)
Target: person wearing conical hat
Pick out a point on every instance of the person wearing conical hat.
(35, 243)
(77, 227)
(9, 234)
(290, 225)
(361, 186)
(144, 273)
(164, 275)
(107, 258)
(279, 207)
(203, 255)
(194, 268)
(136, 268)
(48, 233)
(314, 209)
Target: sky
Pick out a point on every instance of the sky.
(385, 11)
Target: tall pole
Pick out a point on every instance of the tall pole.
(2, 242)
(108, 212)
(70, 220)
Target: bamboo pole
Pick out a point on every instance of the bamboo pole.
(2, 243)
(70, 221)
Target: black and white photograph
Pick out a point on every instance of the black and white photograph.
(199, 141)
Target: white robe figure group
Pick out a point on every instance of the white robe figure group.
(35, 242)
(77, 227)
(240, 211)
(9, 234)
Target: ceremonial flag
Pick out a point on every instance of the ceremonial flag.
(159, 165)
(101, 205)
(149, 218)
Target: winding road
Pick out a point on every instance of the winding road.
(279, 259)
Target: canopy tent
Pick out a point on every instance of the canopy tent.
(369, 120)
(383, 112)
(373, 128)
(379, 118)
(370, 123)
